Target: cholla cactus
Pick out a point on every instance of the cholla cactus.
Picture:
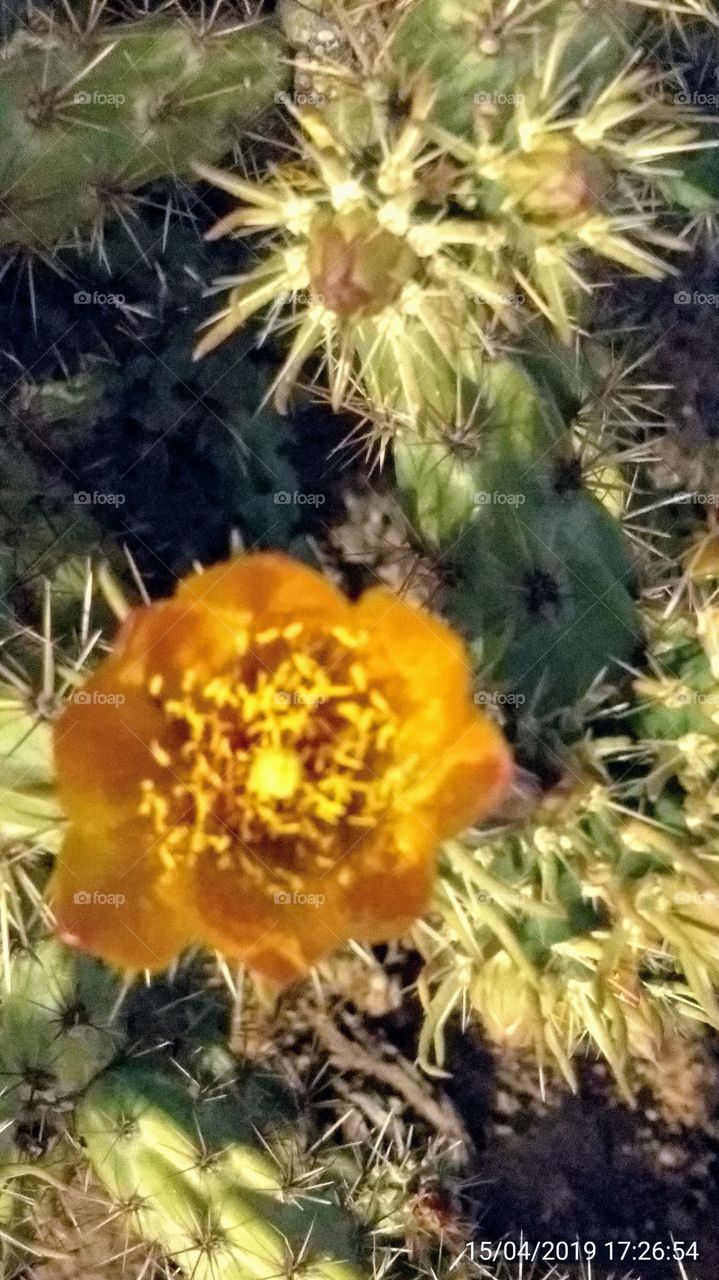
(599, 918)
(429, 222)
(59, 1030)
(379, 289)
(464, 174)
(194, 1178)
(92, 113)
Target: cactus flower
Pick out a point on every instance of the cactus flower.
(264, 767)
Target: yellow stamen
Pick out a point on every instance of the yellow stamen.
(277, 764)
(275, 774)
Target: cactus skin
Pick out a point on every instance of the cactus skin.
(55, 1024)
(478, 50)
(197, 1183)
(528, 579)
(57, 1032)
(463, 197)
(599, 917)
(534, 559)
(88, 118)
(28, 804)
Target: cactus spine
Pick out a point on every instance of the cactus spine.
(89, 116)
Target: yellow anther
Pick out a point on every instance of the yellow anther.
(359, 677)
(297, 751)
(275, 774)
(306, 666)
(350, 639)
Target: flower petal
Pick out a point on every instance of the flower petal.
(104, 894)
(171, 637)
(467, 781)
(279, 935)
(466, 765)
(430, 658)
(102, 740)
(102, 750)
(268, 586)
(392, 874)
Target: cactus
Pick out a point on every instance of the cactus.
(90, 115)
(57, 1032)
(433, 244)
(531, 554)
(56, 1020)
(598, 917)
(199, 1183)
(423, 234)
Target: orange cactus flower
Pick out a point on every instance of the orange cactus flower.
(264, 767)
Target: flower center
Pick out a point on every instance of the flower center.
(277, 765)
(275, 773)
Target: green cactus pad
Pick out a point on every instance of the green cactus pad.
(548, 588)
(200, 1183)
(56, 1029)
(87, 118)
